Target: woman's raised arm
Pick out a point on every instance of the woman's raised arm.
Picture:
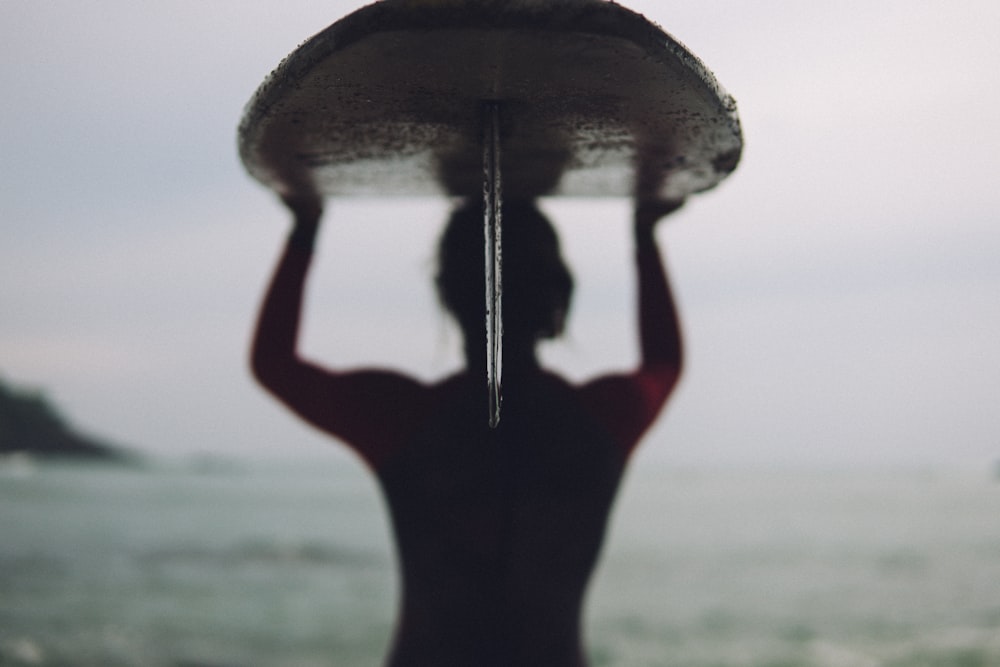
(628, 403)
(372, 411)
(659, 328)
(273, 359)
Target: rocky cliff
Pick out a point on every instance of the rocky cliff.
(29, 423)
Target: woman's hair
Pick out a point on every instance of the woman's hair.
(536, 285)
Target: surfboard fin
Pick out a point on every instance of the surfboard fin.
(493, 234)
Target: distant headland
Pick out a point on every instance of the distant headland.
(30, 424)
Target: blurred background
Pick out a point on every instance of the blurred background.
(839, 295)
(839, 292)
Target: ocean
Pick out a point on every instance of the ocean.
(248, 565)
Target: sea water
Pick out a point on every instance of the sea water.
(292, 566)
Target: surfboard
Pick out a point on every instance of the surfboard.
(593, 99)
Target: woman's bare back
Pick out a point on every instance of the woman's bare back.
(498, 531)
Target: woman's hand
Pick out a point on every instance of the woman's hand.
(649, 212)
(306, 208)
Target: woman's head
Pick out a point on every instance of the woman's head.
(536, 283)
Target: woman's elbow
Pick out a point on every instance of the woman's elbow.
(677, 365)
(673, 363)
(670, 375)
(668, 365)
(659, 379)
(266, 370)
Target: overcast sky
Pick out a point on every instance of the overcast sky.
(840, 292)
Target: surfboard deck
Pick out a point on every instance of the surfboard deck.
(594, 101)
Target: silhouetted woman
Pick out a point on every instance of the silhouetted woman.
(497, 531)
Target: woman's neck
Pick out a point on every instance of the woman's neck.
(517, 357)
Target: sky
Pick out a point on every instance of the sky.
(839, 292)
